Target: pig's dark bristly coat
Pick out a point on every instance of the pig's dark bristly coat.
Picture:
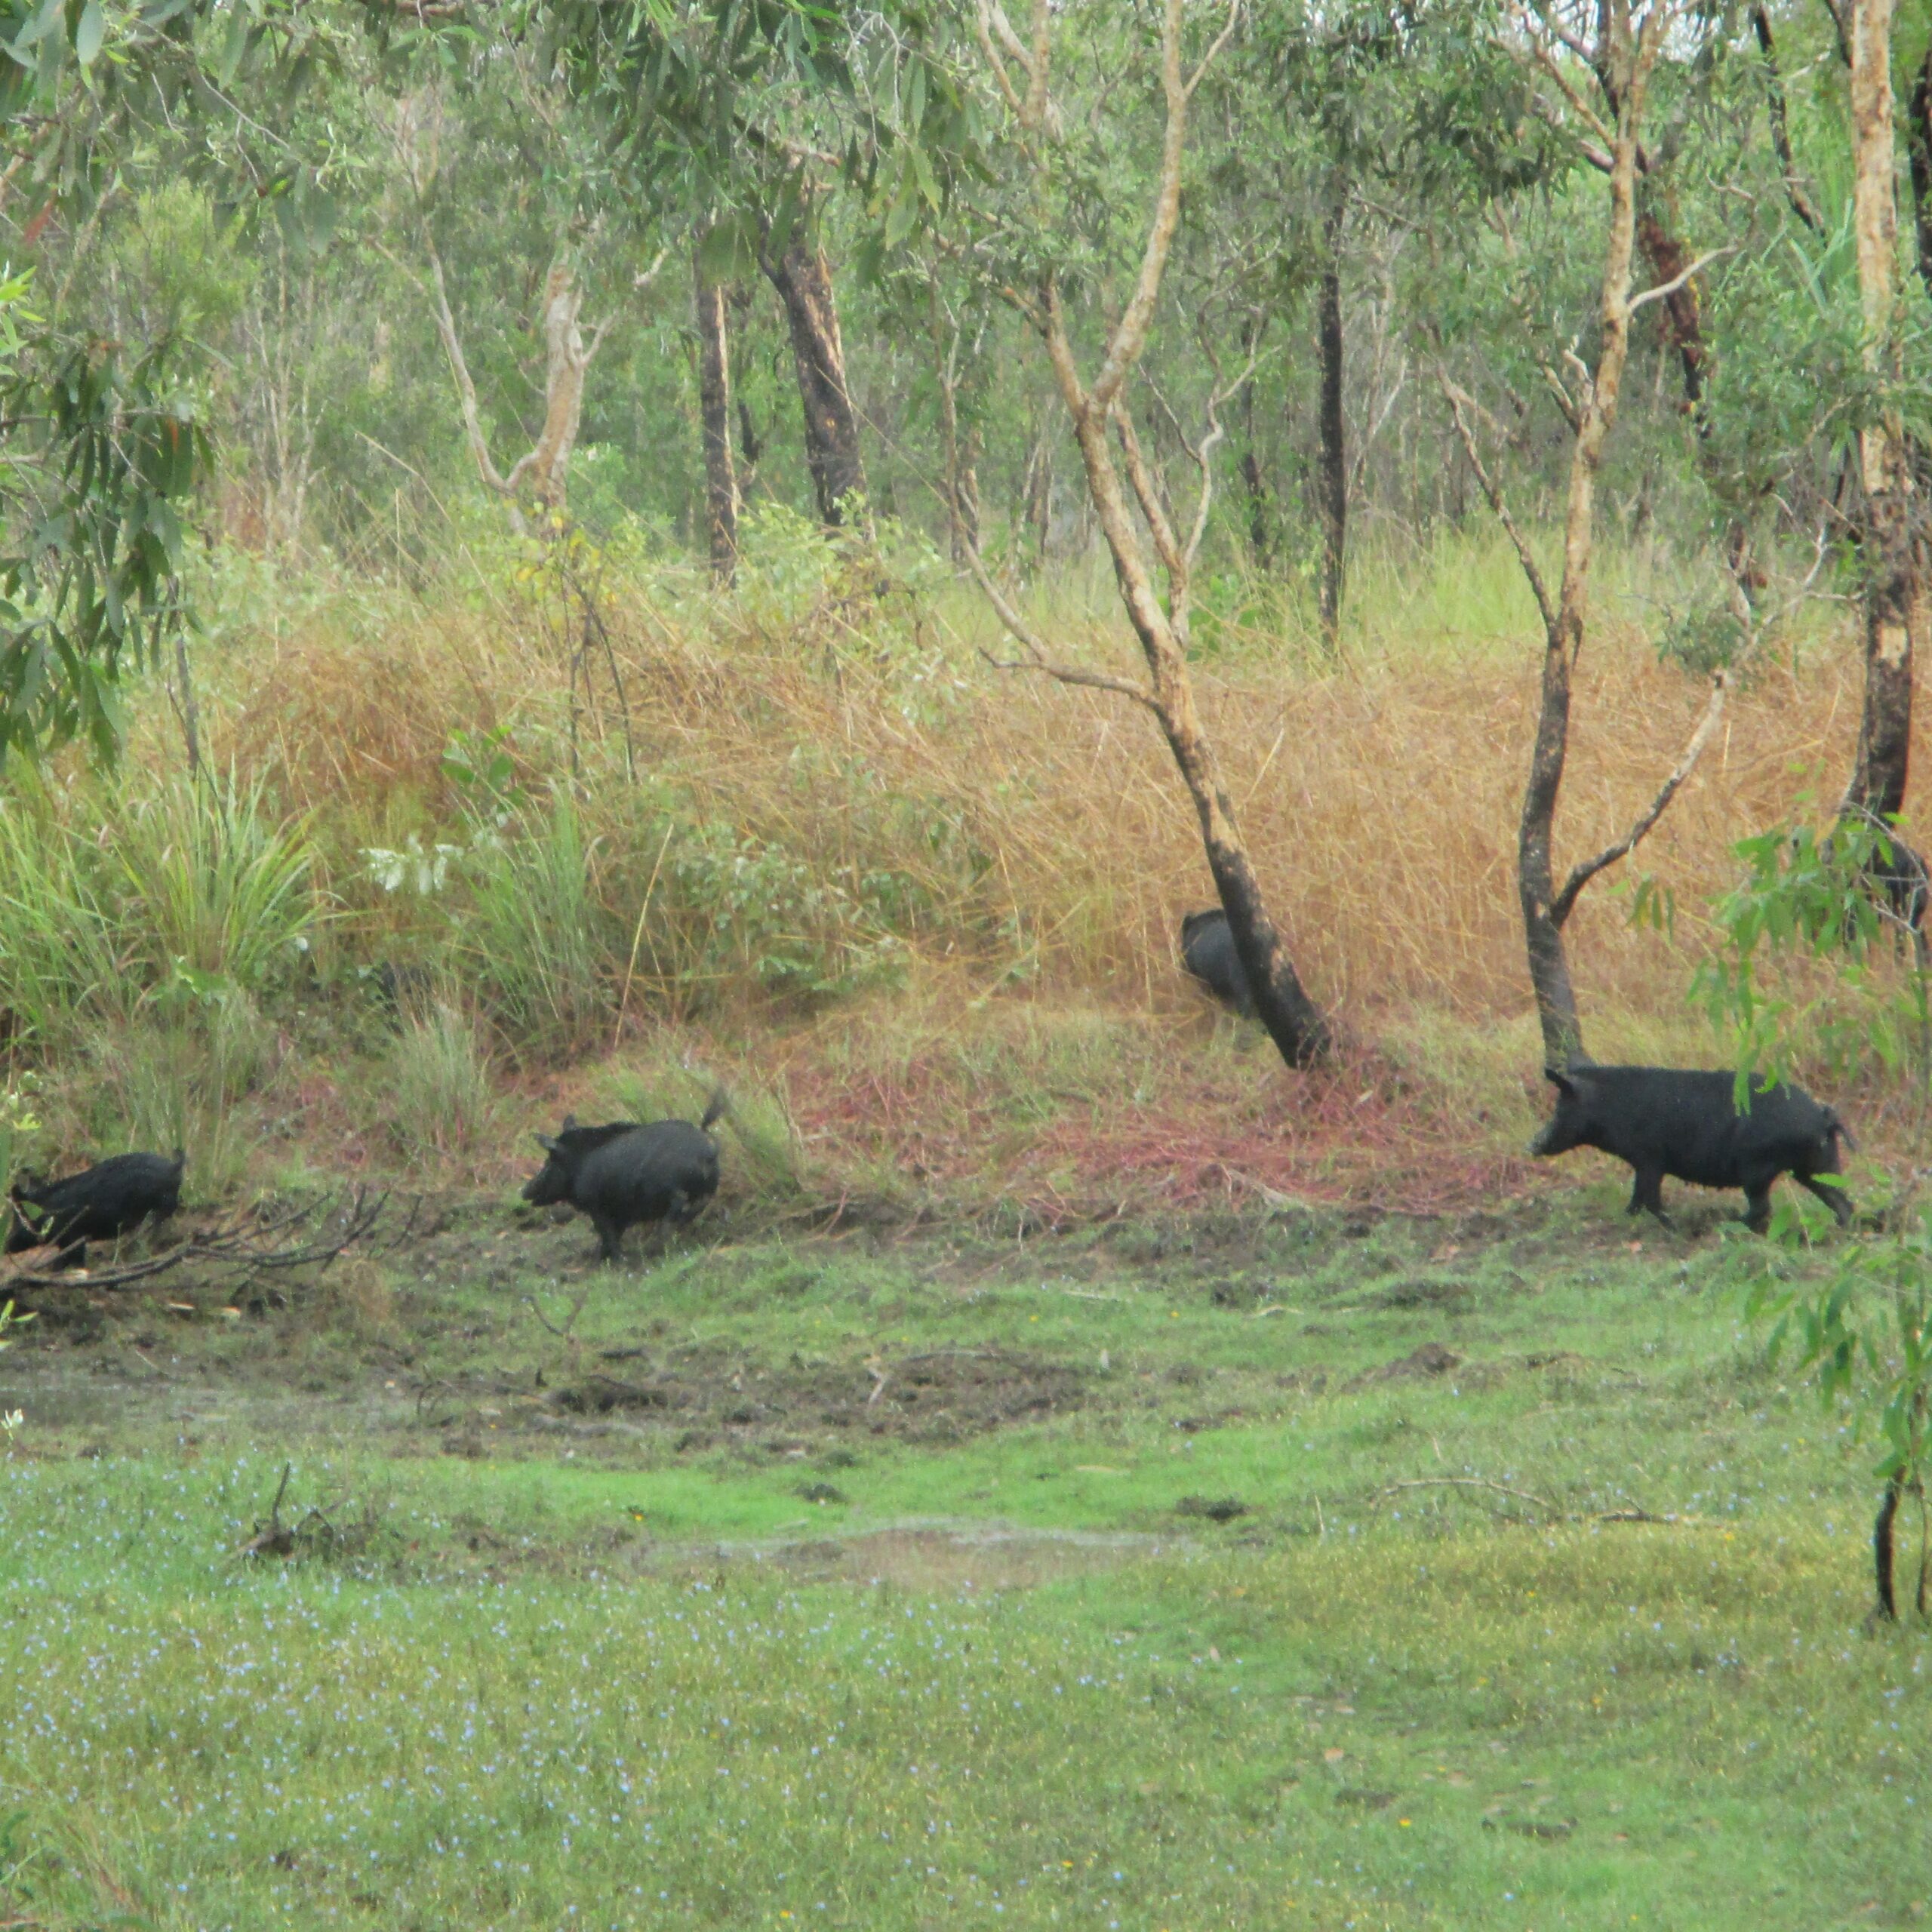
(99, 1203)
(1207, 951)
(623, 1173)
(1684, 1122)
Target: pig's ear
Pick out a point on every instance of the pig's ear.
(1559, 1080)
(570, 1120)
(544, 1141)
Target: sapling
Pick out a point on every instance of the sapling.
(1864, 1337)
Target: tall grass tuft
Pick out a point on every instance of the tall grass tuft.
(532, 934)
(224, 890)
(60, 936)
(439, 1101)
(178, 1075)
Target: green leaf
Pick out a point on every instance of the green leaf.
(899, 217)
(42, 24)
(90, 33)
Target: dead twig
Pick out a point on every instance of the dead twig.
(1542, 1503)
(248, 1242)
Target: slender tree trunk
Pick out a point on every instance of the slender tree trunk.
(1893, 553)
(803, 283)
(1801, 204)
(962, 483)
(1296, 1024)
(1039, 506)
(714, 402)
(1332, 487)
(1160, 622)
(1544, 919)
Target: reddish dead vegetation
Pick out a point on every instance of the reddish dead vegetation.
(1312, 1136)
(1355, 1135)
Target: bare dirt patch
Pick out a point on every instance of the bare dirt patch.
(944, 1395)
(1423, 1365)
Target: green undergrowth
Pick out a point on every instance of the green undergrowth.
(1309, 1570)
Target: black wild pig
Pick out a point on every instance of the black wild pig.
(98, 1204)
(622, 1173)
(1683, 1122)
(1207, 951)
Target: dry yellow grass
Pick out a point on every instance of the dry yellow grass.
(1381, 801)
(1040, 851)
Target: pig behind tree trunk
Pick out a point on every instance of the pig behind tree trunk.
(1207, 951)
(1684, 1122)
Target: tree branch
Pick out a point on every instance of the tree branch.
(466, 389)
(1130, 334)
(1581, 874)
(1220, 40)
(1801, 204)
(1676, 282)
(1037, 658)
(1551, 65)
(1457, 400)
(1147, 492)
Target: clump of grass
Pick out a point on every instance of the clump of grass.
(439, 1098)
(219, 884)
(531, 936)
(59, 955)
(176, 1079)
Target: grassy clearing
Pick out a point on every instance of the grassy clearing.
(894, 1585)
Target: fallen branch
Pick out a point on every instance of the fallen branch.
(248, 1243)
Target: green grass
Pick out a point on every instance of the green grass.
(739, 1653)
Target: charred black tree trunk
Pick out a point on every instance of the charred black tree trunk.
(1780, 116)
(1333, 485)
(1254, 485)
(804, 284)
(714, 403)
(1892, 596)
(1918, 147)
(1883, 1552)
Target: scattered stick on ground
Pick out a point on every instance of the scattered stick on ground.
(1549, 1508)
(248, 1242)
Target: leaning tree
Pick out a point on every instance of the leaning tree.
(1066, 217)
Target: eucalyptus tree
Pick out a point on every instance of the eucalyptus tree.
(731, 113)
(1070, 218)
(1898, 615)
(1622, 46)
(102, 447)
(486, 147)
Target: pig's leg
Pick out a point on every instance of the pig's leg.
(1835, 1198)
(1757, 1205)
(1647, 1196)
